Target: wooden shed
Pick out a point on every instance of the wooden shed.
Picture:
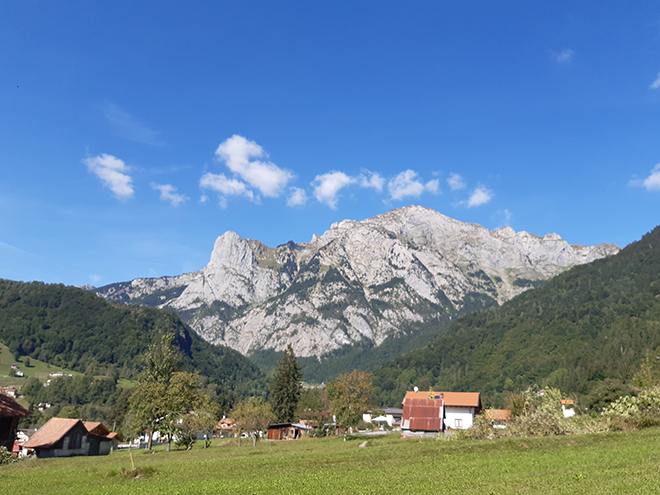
(10, 414)
(61, 437)
(287, 431)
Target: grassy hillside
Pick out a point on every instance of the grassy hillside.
(31, 368)
(620, 463)
(75, 329)
(594, 322)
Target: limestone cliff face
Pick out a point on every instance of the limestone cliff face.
(373, 279)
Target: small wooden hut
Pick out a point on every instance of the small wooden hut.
(287, 431)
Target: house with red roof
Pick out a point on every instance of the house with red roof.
(432, 412)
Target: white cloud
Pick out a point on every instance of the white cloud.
(564, 56)
(111, 170)
(372, 180)
(128, 127)
(651, 183)
(656, 83)
(480, 196)
(267, 177)
(433, 186)
(225, 186)
(405, 184)
(456, 182)
(168, 193)
(327, 186)
(95, 279)
(298, 197)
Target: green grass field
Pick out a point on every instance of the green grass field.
(36, 369)
(614, 463)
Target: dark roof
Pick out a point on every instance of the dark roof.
(51, 433)
(290, 425)
(10, 408)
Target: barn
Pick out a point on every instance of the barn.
(10, 414)
(61, 437)
(287, 431)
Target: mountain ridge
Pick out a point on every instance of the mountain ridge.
(358, 282)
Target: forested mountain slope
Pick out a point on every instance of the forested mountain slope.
(593, 322)
(74, 328)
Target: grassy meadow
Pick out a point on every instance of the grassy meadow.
(37, 369)
(616, 463)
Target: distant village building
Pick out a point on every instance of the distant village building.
(287, 431)
(391, 415)
(432, 412)
(61, 437)
(567, 408)
(499, 417)
(10, 414)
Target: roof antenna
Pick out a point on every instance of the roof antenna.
(416, 389)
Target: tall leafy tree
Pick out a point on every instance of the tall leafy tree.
(350, 396)
(286, 387)
(152, 401)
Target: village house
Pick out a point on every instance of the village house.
(10, 414)
(225, 427)
(431, 412)
(61, 437)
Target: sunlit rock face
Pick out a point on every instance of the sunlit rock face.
(358, 281)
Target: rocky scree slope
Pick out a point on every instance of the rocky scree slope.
(367, 281)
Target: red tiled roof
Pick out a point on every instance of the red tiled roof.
(51, 433)
(115, 436)
(9, 408)
(456, 399)
(96, 428)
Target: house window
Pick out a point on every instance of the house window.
(458, 423)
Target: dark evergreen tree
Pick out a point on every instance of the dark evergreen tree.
(285, 387)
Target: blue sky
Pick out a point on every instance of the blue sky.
(132, 134)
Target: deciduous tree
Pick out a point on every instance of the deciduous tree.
(252, 416)
(350, 395)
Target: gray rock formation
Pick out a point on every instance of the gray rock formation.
(385, 276)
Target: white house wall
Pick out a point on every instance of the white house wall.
(464, 414)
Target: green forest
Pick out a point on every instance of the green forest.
(593, 325)
(75, 329)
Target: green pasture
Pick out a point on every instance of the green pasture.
(613, 463)
(36, 369)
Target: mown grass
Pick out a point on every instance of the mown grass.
(615, 463)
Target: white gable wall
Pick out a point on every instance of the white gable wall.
(459, 418)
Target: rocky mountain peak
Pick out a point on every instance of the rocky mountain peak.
(405, 272)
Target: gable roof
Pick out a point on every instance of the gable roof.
(51, 433)
(9, 408)
(96, 428)
(452, 399)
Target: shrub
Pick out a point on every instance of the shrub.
(639, 411)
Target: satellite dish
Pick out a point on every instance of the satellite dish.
(416, 389)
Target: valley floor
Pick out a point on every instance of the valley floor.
(615, 463)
